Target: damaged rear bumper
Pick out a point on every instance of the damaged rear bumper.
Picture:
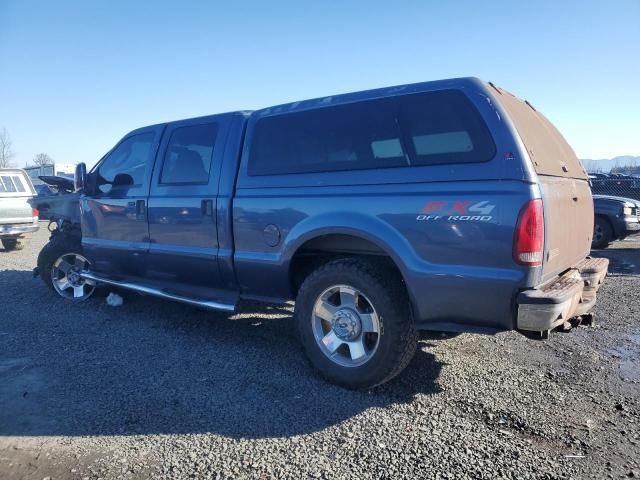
(570, 295)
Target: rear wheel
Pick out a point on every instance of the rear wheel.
(61, 265)
(13, 244)
(602, 233)
(355, 324)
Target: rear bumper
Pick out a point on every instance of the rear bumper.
(570, 295)
(17, 230)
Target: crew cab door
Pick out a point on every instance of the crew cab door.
(115, 233)
(183, 252)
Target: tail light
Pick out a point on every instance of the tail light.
(528, 247)
(35, 213)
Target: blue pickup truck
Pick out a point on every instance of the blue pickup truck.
(448, 205)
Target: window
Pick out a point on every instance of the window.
(187, 159)
(416, 129)
(130, 157)
(18, 183)
(11, 184)
(345, 137)
(444, 127)
(6, 184)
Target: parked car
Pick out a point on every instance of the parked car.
(615, 219)
(448, 205)
(17, 218)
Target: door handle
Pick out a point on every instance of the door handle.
(207, 208)
(140, 210)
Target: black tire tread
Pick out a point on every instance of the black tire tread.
(11, 244)
(607, 232)
(396, 296)
(57, 246)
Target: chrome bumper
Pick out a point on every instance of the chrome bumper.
(16, 230)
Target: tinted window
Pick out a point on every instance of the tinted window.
(18, 183)
(6, 184)
(417, 129)
(444, 127)
(345, 137)
(130, 157)
(187, 159)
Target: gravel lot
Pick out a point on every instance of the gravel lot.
(157, 389)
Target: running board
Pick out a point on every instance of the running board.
(159, 293)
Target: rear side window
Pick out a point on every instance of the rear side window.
(11, 184)
(444, 127)
(17, 181)
(187, 159)
(418, 129)
(345, 137)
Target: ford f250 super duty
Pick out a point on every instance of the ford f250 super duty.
(449, 205)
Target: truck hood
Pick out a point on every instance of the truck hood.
(62, 183)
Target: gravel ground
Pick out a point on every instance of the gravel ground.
(157, 389)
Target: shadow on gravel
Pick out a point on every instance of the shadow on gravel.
(155, 367)
(622, 261)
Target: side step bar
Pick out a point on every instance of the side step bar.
(226, 307)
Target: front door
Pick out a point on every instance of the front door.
(115, 232)
(183, 251)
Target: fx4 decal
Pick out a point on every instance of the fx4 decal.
(457, 211)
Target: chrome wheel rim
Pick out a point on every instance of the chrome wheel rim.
(597, 234)
(346, 326)
(66, 276)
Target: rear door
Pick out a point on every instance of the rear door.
(182, 208)
(568, 206)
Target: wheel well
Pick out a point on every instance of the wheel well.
(608, 222)
(322, 249)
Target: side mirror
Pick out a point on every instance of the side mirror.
(80, 178)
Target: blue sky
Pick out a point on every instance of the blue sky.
(76, 76)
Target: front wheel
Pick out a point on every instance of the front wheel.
(354, 321)
(61, 265)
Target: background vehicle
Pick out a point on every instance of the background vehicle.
(615, 219)
(50, 170)
(616, 185)
(447, 205)
(53, 201)
(17, 217)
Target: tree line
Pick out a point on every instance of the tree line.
(7, 154)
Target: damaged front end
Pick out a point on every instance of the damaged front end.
(61, 208)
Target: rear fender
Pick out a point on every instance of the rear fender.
(365, 227)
